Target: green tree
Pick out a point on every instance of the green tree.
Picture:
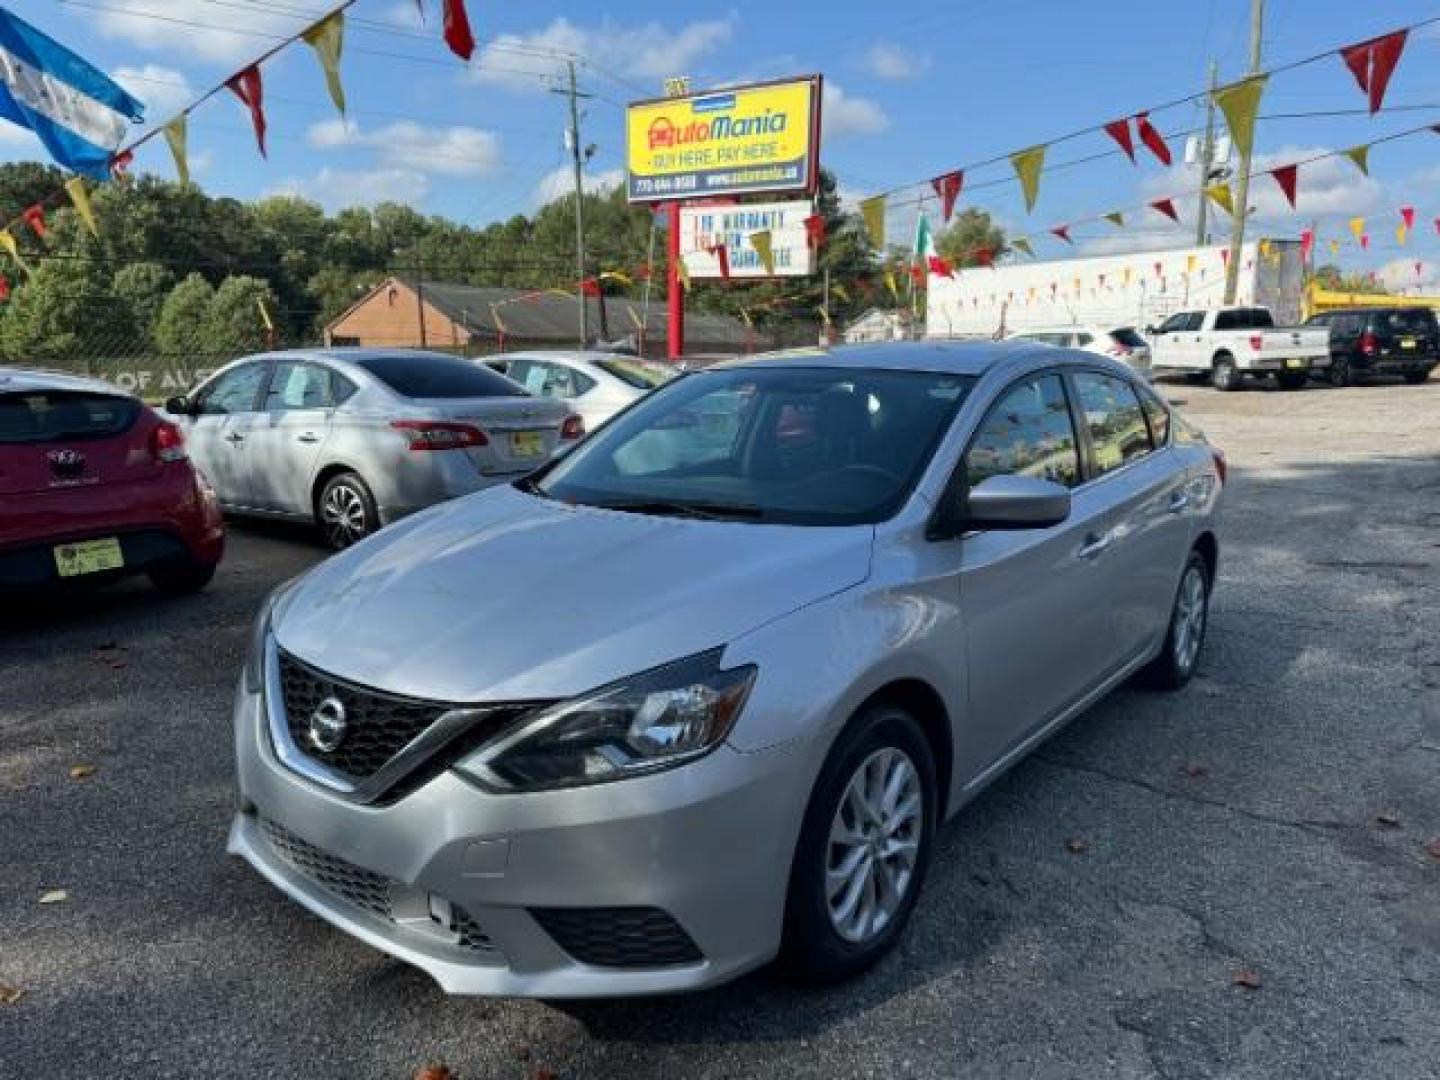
(182, 328)
(970, 233)
(234, 323)
(1329, 276)
(64, 314)
(141, 289)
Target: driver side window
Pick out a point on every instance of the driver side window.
(233, 392)
(1027, 433)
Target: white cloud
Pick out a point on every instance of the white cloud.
(561, 182)
(15, 135)
(645, 52)
(199, 28)
(1402, 275)
(164, 91)
(452, 151)
(336, 189)
(844, 114)
(889, 61)
(405, 13)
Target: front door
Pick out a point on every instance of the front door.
(217, 429)
(284, 442)
(1034, 602)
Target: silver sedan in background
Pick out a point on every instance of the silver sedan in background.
(597, 385)
(701, 691)
(354, 439)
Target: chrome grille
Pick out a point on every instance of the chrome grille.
(378, 726)
(363, 888)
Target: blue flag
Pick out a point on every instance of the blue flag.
(79, 112)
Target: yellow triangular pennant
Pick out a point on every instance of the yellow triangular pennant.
(1240, 102)
(762, 243)
(1028, 164)
(1220, 193)
(1357, 228)
(1022, 243)
(327, 38)
(1360, 155)
(1116, 218)
(7, 241)
(80, 198)
(872, 211)
(176, 134)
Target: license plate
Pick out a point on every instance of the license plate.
(1295, 361)
(89, 557)
(527, 443)
(1407, 343)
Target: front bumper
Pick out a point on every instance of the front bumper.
(1275, 367)
(707, 845)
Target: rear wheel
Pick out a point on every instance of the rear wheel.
(1416, 376)
(864, 847)
(1341, 374)
(1291, 380)
(179, 578)
(1223, 373)
(345, 511)
(1189, 617)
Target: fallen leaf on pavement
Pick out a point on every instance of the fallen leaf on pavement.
(1390, 819)
(1433, 848)
(10, 994)
(83, 772)
(1193, 771)
(1246, 978)
(54, 896)
(1077, 846)
(435, 1071)
(542, 1074)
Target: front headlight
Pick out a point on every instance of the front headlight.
(254, 675)
(657, 720)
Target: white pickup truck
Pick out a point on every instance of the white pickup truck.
(1227, 344)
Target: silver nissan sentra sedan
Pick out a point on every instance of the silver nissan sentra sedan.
(699, 693)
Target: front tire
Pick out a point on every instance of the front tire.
(1224, 375)
(346, 511)
(1416, 376)
(1189, 618)
(864, 847)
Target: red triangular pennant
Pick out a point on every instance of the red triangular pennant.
(457, 29)
(1225, 257)
(1166, 207)
(940, 266)
(1286, 176)
(1152, 138)
(1119, 130)
(947, 187)
(4, 287)
(35, 217)
(1063, 232)
(120, 163)
(722, 256)
(249, 88)
(590, 286)
(1364, 240)
(1407, 215)
(985, 256)
(815, 231)
(1373, 62)
(1307, 243)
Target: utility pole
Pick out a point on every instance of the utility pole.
(1242, 192)
(577, 156)
(1207, 155)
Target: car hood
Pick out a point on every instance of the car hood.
(508, 596)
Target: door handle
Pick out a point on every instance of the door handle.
(1094, 544)
(235, 438)
(309, 436)
(1179, 501)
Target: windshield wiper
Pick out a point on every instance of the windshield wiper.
(703, 511)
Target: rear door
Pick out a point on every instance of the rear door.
(217, 431)
(286, 437)
(1139, 498)
(1035, 602)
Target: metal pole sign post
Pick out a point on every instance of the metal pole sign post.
(743, 140)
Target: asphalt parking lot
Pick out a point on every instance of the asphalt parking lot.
(1230, 882)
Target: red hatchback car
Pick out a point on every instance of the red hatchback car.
(94, 485)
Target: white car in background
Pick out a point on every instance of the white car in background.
(1122, 343)
(596, 385)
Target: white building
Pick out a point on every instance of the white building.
(1136, 290)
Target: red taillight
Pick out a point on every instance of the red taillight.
(1257, 341)
(439, 434)
(1368, 345)
(167, 442)
(1220, 465)
(572, 428)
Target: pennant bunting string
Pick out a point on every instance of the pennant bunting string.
(327, 38)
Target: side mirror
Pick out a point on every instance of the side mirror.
(178, 405)
(1016, 502)
(1152, 330)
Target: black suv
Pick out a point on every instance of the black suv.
(1385, 340)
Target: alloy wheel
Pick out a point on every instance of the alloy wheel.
(342, 515)
(874, 844)
(1188, 622)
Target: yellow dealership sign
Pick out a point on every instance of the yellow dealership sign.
(764, 137)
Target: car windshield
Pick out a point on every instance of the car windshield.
(641, 374)
(787, 445)
(43, 415)
(421, 376)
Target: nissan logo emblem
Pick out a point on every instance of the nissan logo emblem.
(327, 725)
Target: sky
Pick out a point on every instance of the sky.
(911, 90)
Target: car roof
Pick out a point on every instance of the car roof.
(949, 357)
(18, 379)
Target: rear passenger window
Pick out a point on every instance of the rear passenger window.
(1116, 421)
(296, 386)
(1158, 415)
(1028, 433)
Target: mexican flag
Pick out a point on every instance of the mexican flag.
(924, 240)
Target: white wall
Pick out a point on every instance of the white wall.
(1113, 290)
